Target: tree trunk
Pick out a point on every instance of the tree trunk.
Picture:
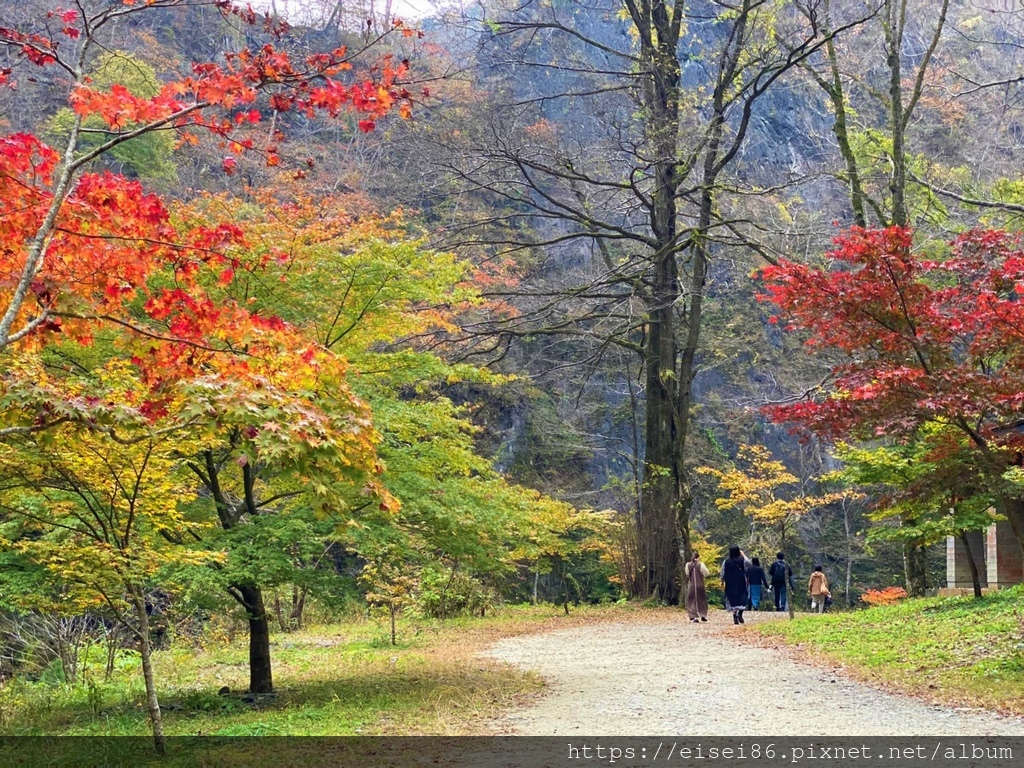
(975, 575)
(113, 642)
(260, 678)
(298, 606)
(847, 529)
(915, 564)
(146, 650)
(391, 610)
(442, 608)
(662, 497)
(833, 85)
(895, 19)
(279, 612)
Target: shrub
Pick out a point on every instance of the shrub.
(887, 596)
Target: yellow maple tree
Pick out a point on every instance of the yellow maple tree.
(766, 492)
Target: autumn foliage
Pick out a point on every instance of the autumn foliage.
(214, 394)
(932, 344)
(887, 596)
(927, 337)
(77, 246)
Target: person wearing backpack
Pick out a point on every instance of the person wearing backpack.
(781, 575)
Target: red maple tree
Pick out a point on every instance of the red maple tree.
(929, 335)
(76, 246)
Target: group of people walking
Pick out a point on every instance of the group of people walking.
(745, 581)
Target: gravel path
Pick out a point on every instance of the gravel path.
(673, 677)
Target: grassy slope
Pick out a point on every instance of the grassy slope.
(956, 650)
(332, 680)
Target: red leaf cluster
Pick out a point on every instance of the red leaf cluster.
(937, 338)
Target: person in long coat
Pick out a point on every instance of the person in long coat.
(734, 575)
(696, 592)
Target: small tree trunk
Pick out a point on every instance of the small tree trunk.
(565, 586)
(260, 677)
(145, 647)
(975, 575)
(443, 606)
(112, 644)
(298, 605)
(67, 647)
(847, 528)
(391, 609)
(916, 566)
(279, 612)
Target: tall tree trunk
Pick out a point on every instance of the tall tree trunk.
(659, 524)
(895, 21)
(146, 650)
(260, 678)
(662, 498)
(833, 85)
(901, 106)
(975, 575)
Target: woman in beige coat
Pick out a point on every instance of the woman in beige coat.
(696, 592)
(818, 587)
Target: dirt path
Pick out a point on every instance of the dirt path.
(673, 677)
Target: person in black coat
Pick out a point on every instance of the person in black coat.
(734, 576)
(755, 582)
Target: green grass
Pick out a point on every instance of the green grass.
(955, 649)
(339, 679)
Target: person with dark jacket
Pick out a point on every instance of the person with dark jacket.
(781, 575)
(734, 575)
(755, 580)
